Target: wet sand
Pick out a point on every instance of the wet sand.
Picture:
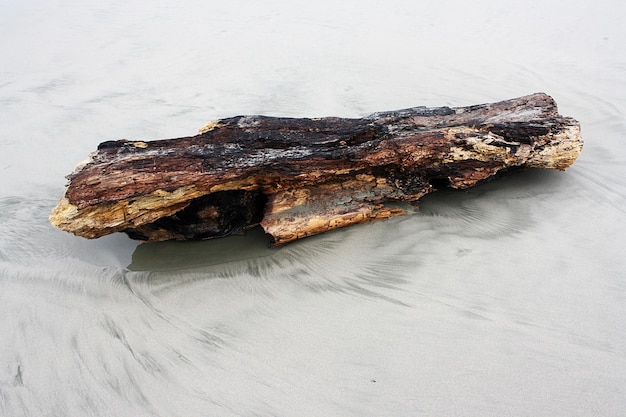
(506, 299)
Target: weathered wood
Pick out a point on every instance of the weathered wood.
(299, 177)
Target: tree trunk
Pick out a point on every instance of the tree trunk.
(299, 177)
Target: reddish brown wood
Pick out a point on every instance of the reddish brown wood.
(298, 177)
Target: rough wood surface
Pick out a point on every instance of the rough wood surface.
(299, 177)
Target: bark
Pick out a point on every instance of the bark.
(299, 177)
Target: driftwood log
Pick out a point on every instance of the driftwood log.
(299, 177)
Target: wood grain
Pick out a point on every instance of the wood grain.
(297, 176)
